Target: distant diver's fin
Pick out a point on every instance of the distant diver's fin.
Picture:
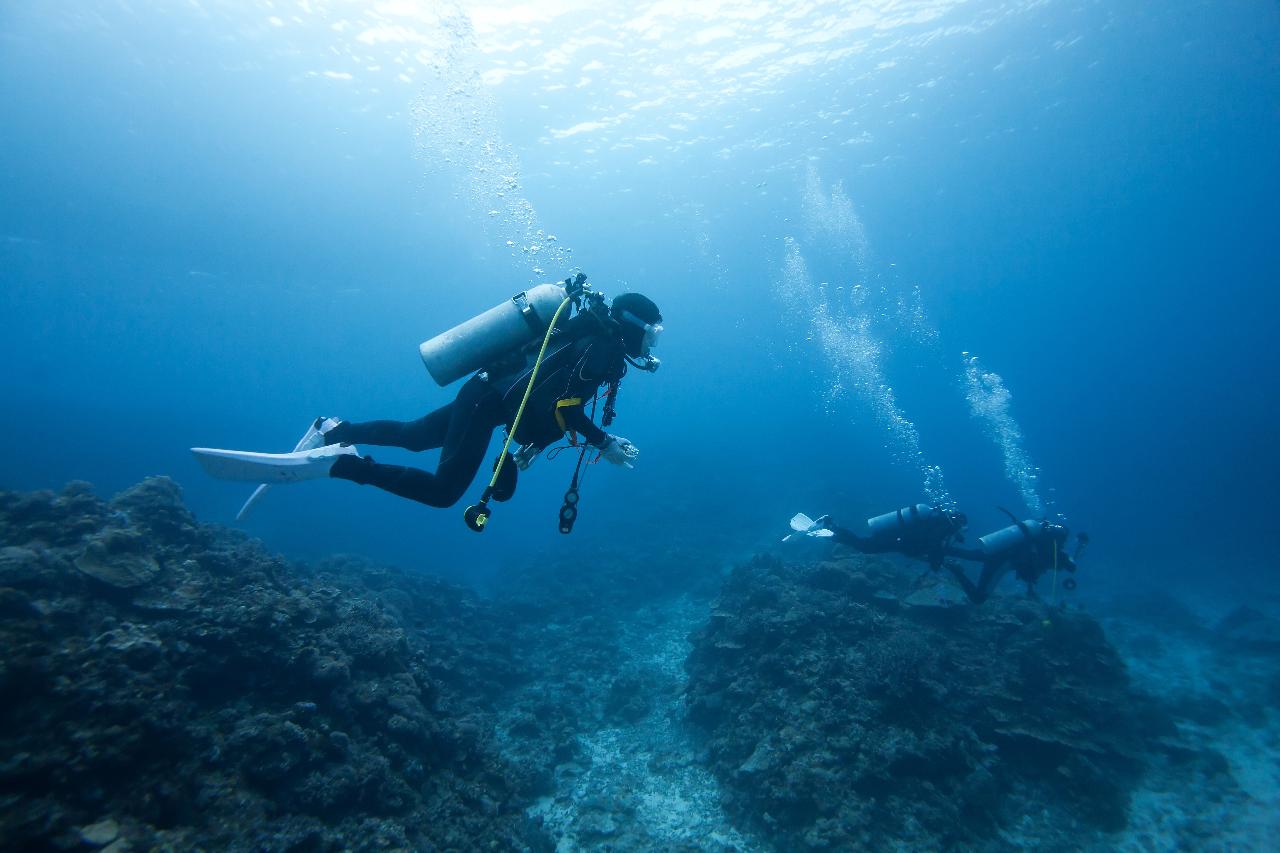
(311, 438)
(802, 523)
(273, 468)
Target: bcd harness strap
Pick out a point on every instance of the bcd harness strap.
(530, 316)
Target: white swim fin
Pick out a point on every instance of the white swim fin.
(802, 523)
(271, 468)
(313, 437)
(253, 499)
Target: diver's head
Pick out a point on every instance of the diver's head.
(640, 322)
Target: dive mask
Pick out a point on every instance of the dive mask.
(652, 331)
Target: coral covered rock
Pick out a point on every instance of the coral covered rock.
(837, 717)
(173, 686)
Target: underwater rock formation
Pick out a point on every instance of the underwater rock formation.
(838, 715)
(172, 686)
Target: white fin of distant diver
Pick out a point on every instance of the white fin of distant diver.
(802, 523)
(310, 439)
(271, 468)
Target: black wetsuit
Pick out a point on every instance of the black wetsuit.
(926, 539)
(1038, 552)
(576, 365)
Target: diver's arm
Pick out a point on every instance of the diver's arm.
(992, 572)
(600, 362)
(970, 591)
(974, 554)
(575, 419)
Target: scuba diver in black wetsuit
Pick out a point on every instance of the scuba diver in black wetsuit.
(538, 395)
(920, 531)
(588, 353)
(1029, 548)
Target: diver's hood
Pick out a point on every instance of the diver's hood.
(640, 322)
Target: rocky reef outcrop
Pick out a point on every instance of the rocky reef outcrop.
(842, 711)
(172, 686)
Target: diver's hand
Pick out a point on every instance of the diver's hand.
(525, 455)
(619, 451)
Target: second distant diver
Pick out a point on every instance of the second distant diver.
(546, 382)
(1030, 549)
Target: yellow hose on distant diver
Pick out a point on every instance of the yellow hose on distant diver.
(477, 515)
(1049, 622)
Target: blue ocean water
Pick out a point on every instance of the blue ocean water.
(988, 254)
(220, 220)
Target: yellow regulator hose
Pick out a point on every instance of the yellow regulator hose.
(478, 515)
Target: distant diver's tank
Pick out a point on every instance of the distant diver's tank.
(485, 339)
(1007, 538)
(891, 525)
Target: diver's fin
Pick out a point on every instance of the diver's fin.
(272, 468)
(313, 437)
(802, 523)
(253, 499)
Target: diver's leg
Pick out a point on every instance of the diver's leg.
(473, 417)
(479, 412)
(992, 572)
(426, 433)
(846, 537)
(412, 483)
(967, 585)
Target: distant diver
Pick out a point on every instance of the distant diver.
(919, 531)
(535, 374)
(1030, 548)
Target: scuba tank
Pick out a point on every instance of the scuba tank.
(1007, 538)
(895, 524)
(484, 339)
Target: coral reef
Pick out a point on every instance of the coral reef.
(172, 686)
(842, 709)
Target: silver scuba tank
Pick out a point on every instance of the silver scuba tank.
(1007, 538)
(486, 338)
(894, 524)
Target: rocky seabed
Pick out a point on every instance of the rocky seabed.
(173, 686)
